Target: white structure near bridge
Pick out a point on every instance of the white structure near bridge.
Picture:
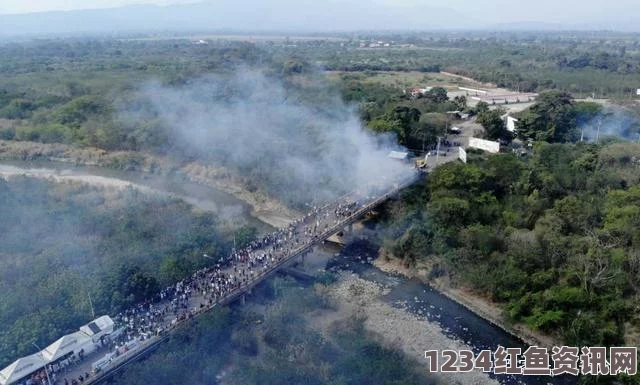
(73, 342)
(21, 368)
(85, 340)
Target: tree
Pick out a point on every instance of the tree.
(494, 124)
(429, 127)
(450, 212)
(584, 112)
(405, 119)
(622, 215)
(437, 95)
(550, 119)
(382, 125)
(481, 107)
(18, 109)
(294, 67)
(460, 102)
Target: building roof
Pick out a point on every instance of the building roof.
(65, 345)
(20, 368)
(98, 326)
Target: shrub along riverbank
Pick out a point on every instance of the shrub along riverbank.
(554, 238)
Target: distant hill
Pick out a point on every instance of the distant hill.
(528, 26)
(273, 15)
(254, 15)
(620, 26)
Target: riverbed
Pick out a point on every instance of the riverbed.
(206, 198)
(432, 309)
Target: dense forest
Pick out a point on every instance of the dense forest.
(64, 244)
(582, 63)
(189, 109)
(73, 90)
(553, 236)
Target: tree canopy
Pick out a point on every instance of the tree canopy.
(554, 237)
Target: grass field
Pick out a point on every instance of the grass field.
(407, 79)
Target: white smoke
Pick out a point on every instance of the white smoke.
(612, 122)
(300, 151)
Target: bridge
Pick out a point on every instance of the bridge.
(307, 248)
(326, 225)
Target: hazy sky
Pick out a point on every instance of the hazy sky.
(22, 6)
(490, 11)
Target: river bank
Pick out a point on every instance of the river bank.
(482, 307)
(265, 208)
(395, 327)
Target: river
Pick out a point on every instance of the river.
(457, 322)
(203, 197)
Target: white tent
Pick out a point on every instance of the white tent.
(21, 368)
(98, 327)
(70, 343)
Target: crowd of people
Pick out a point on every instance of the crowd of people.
(244, 265)
(52, 373)
(208, 286)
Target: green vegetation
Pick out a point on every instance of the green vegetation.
(274, 343)
(556, 117)
(554, 237)
(61, 243)
(416, 121)
(494, 125)
(73, 91)
(581, 63)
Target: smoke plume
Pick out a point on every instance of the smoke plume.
(612, 122)
(299, 144)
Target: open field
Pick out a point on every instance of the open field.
(406, 79)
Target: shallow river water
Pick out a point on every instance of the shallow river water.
(456, 321)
